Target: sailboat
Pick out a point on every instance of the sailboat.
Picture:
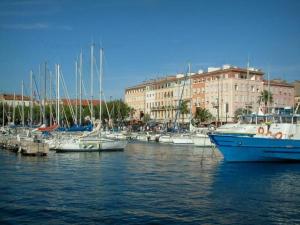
(185, 138)
(94, 140)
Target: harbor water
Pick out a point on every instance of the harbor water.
(148, 183)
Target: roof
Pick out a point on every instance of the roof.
(85, 102)
(232, 69)
(277, 83)
(10, 97)
(174, 78)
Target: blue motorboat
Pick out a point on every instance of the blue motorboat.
(245, 148)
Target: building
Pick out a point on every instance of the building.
(16, 100)
(220, 90)
(224, 90)
(282, 93)
(135, 98)
(296, 85)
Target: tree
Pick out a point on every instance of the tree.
(265, 97)
(183, 108)
(202, 115)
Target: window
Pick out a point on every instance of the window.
(236, 88)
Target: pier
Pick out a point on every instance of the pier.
(25, 147)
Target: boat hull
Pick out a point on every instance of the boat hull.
(246, 149)
(202, 140)
(103, 144)
(182, 140)
(165, 139)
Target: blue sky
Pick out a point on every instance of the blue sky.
(145, 39)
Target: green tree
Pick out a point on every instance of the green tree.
(183, 108)
(265, 97)
(202, 115)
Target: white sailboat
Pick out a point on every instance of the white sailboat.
(185, 138)
(182, 139)
(166, 138)
(94, 140)
(202, 140)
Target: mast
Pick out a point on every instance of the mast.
(189, 71)
(56, 97)
(76, 85)
(23, 119)
(218, 102)
(268, 102)
(3, 113)
(14, 110)
(58, 94)
(247, 104)
(80, 89)
(92, 81)
(100, 86)
(40, 97)
(50, 97)
(44, 102)
(31, 97)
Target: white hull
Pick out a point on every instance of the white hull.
(202, 140)
(183, 139)
(166, 139)
(142, 137)
(113, 145)
(90, 145)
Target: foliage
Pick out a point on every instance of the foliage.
(202, 115)
(117, 108)
(265, 97)
(183, 108)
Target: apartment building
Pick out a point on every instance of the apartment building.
(136, 99)
(160, 99)
(221, 90)
(282, 93)
(14, 100)
(296, 85)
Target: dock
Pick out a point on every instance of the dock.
(25, 147)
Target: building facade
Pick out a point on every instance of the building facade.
(296, 85)
(282, 93)
(220, 90)
(14, 100)
(224, 90)
(136, 99)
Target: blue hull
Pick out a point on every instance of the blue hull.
(242, 148)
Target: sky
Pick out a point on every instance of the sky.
(145, 39)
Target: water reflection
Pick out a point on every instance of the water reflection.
(147, 183)
(260, 193)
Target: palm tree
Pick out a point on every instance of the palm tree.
(183, 108)
(202, 115)
(265, 97)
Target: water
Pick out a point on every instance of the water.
(146, 184)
